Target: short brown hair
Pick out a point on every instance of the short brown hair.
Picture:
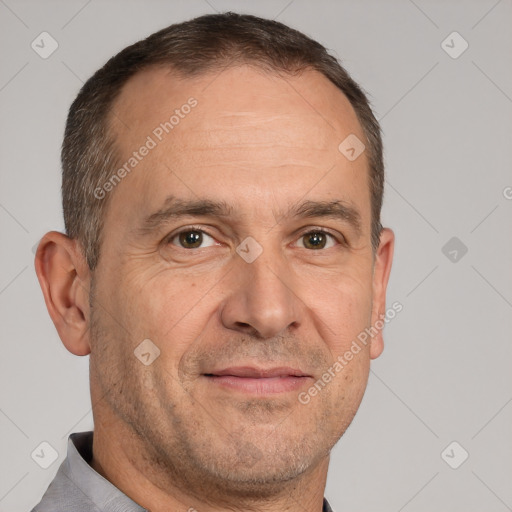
(191, 48)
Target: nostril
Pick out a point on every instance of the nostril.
(248, 328)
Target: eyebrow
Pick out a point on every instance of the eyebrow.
(174, 208)
(336, 209)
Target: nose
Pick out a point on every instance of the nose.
(261, 301)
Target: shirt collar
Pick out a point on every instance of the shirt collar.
(98, 489)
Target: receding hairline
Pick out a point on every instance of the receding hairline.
(193, 47)
(114, 122)
(167, 69)
(209, 72)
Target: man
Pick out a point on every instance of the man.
(222, 188)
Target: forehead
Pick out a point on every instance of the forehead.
(234, 94)
(248, 131)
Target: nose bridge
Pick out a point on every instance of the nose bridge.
(262, 297)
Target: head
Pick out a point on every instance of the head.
(212, 211)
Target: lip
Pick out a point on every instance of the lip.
(254, 372)
(259, 381)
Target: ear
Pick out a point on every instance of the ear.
(64, 277)
(381, 271)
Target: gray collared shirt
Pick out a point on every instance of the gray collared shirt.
(77, 487)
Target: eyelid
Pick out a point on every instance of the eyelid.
(168, 239)
(340, 238)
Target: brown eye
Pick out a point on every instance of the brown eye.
(191, 239)
(316, 240)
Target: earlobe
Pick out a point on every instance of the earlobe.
(382, 270)
(377, 346)
(64, 279)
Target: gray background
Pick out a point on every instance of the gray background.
(445, 373)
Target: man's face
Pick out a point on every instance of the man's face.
(265, 149)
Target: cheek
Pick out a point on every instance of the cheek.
(344, 307)
(167, 307)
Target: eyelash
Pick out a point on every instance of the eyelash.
(169, 239)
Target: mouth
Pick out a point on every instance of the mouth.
(259, 381)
